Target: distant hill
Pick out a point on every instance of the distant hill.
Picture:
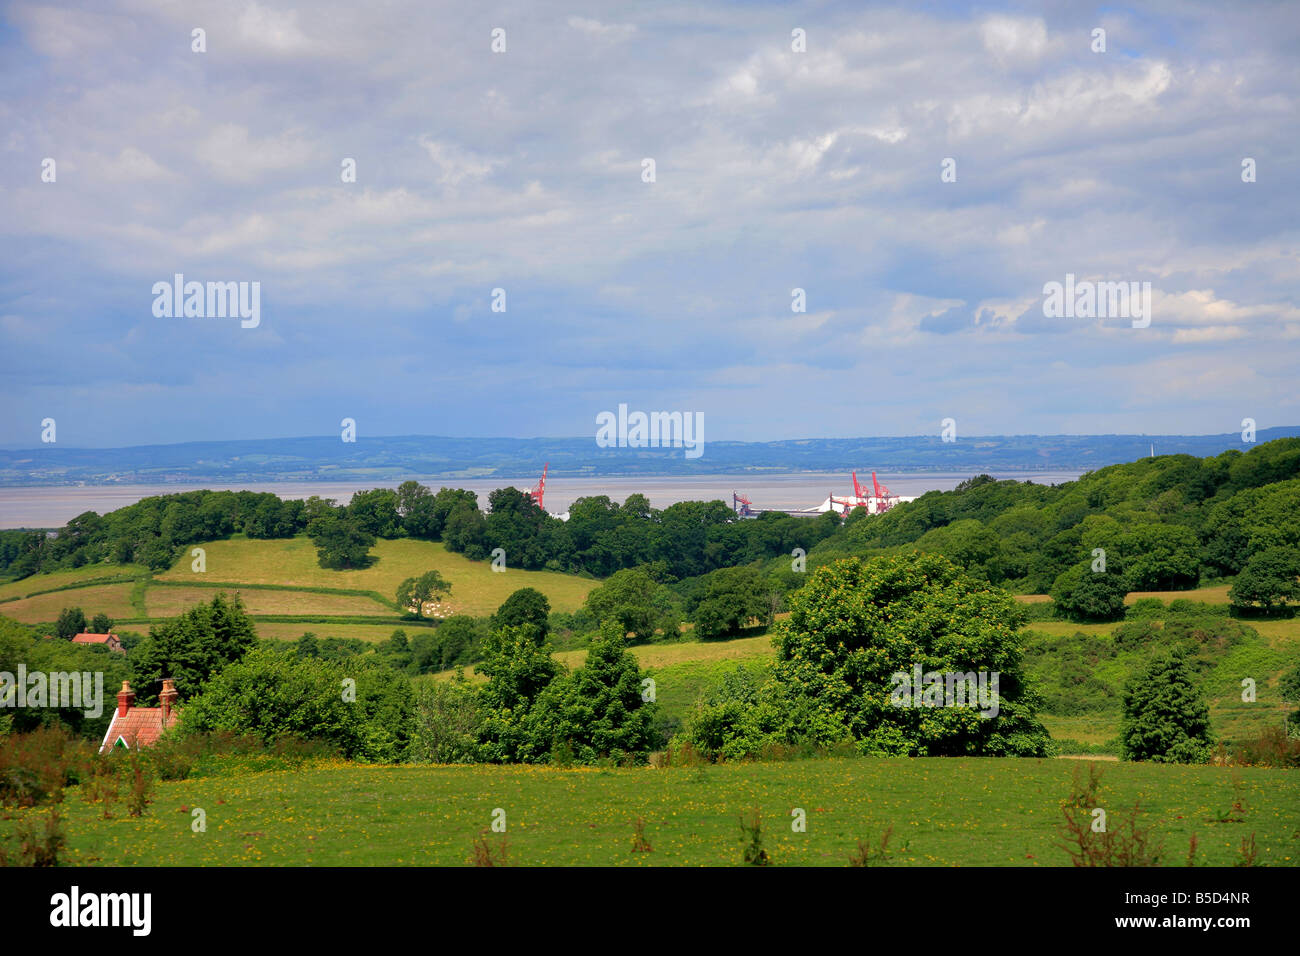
(416, 456)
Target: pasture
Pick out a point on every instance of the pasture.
(944, 812)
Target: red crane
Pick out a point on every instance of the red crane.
(741, 505)
(540, 490)
(883, 498)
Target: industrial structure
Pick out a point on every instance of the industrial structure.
(877, 500)
(540, 488)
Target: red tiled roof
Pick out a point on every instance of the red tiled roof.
(141, 727)
(86, 637)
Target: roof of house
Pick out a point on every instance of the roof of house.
(85, 637)
(141, 727)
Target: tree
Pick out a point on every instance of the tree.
(466, 531)
(341, 544)
(416, 505)
(518, 670)
(730, 598)
(632, 599)
(1161, 557)
(414, 593)
(526, 607)
(1082, 594)
(455, 641)
(598, 711)
(375, 512)
(856, 629)
(732, 720)
(1269, 578)
(1165, 717)
(101, 624)
(192, 648)
(72, 621)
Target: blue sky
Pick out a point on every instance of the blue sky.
(522, 170)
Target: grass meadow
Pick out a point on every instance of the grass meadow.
(944, 812)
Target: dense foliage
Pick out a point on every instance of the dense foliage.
(853, 630)
(1166, 719)
(274, 695)
(191, 648)
(1168, 522)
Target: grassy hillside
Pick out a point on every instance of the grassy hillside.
(281, 578)
(291, 562)
(944, 812)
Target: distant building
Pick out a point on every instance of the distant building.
(135, 727)
(106, 640)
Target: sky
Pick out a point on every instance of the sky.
(774, 170)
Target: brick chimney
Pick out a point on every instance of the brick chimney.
(167, 698)
(125, 699)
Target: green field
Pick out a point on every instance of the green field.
(475, 588)
(282, 578)
(76, 577)
(944, 812)
(112, 599)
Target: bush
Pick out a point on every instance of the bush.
(447, 722)
(273, 695)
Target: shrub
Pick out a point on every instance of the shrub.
(751, 833)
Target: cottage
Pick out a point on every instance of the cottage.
(134, 727)
(105, 640)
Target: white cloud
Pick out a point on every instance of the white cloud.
(603, 31)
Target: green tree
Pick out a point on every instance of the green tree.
(457, 640)
(465, 531)
(1161, 557)
(418, 510)
(192, 648)
(341, 543)
(1082, 594)
(414, 593)
(731, 597)
(733, 719)
(1165, 717)
(1270, 578)
(72, 621)
(525, 607)
(101, 624)
(375, 512)
(598, 711)
(857, 627)
(517, 671)
(632, 599)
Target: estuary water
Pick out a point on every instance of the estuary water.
(52, 507)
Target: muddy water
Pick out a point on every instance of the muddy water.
(52, 507)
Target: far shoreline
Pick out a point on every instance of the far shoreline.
(52, 506)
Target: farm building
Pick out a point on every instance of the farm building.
(105, 640)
